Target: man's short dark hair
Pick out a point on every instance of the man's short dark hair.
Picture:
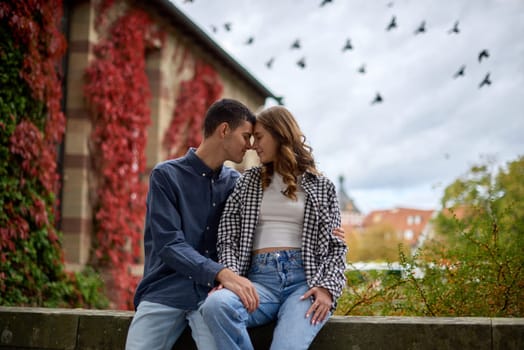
(226, 110)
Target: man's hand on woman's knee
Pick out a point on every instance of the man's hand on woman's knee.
(241, 286)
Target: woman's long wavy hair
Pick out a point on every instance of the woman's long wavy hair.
(294, 157)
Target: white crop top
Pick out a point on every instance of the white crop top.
(281, 218)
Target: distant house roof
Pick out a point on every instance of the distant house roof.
(410, 222)
(187, 26)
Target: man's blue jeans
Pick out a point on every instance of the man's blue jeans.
(156, 326)
(280, 282)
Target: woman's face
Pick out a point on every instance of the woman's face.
(265, 144)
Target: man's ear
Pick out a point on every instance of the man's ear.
(223, 129)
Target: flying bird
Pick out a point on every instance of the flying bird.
(455, 28)
(362, 69)
(485, 81)
(348, 45)
(227, 26)
(483, 54)
(421, 28)
(296, 44)
(269, 63)
(250, 40)
(390, 4)
(325, 2)
(392, 24)
(214, 29)
(378, 99)
(302, 63)
(460, 72)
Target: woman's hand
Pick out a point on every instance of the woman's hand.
(339, 232)
(321, 305)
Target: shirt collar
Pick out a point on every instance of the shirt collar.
(200, 167)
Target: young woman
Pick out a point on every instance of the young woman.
(277, 229)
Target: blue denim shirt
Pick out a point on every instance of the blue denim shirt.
(184, 204)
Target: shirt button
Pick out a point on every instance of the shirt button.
(190, 277)
(203, 174)
(209, 284)
(207, 251)
(207, 228)
(214, 204)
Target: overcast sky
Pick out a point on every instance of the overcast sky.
(430, 127)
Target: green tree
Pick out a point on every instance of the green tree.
(474, 264)
(379, 242)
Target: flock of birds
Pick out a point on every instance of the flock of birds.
(392, 25)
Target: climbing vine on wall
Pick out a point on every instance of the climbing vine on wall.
(31, 128)
(195, 97)
(118, 93)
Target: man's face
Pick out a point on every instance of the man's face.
(238, 141)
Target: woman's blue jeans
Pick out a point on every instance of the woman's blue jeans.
(280, 282)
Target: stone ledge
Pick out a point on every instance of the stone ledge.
(80, 329)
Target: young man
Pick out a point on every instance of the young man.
(184, 203)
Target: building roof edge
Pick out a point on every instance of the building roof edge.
(177, 16)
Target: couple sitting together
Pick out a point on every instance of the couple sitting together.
(225, 252)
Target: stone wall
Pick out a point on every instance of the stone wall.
(78, 329)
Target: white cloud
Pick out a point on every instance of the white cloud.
(430, 128)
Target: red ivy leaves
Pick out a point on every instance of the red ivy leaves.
(196, 95)
(34, 25)
(17, 228)
(118, 92)
(27, 142)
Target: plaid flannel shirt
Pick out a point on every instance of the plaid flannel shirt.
(323, 254)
